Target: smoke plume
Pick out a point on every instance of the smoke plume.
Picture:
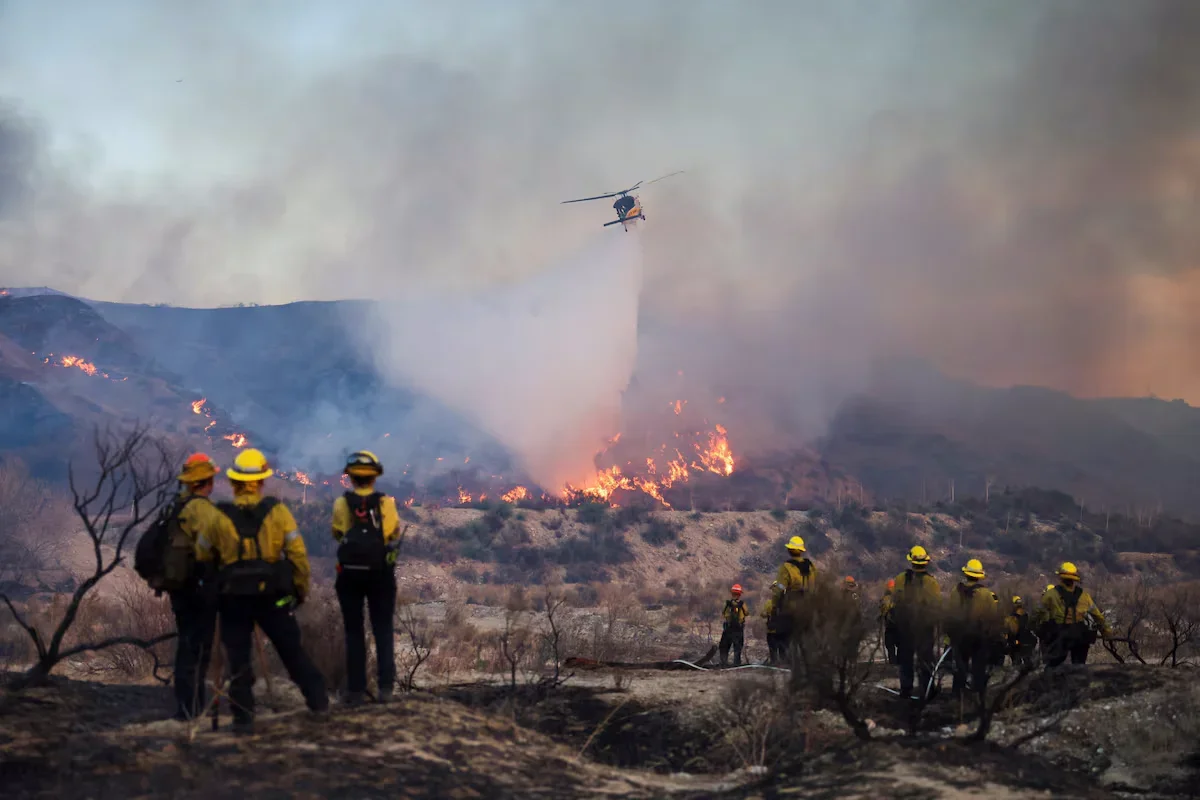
(1007, 190)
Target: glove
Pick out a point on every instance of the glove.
(391, 557)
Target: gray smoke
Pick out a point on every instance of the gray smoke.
(1006, 189)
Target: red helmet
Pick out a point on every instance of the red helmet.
(736, 588)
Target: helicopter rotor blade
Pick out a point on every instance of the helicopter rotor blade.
(597, 197)
(664, 177)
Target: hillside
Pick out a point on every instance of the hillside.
(290, 380)
(918, 431)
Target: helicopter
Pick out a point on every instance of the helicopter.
(628, 207)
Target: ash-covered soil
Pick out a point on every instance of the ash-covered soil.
(1098, 732)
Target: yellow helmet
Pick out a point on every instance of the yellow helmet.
(917, 556)
(1017, 601)
(250, 465)
(795, 545)
(1049, 587)
(364, 463)
(1068, 572)
(973, 569)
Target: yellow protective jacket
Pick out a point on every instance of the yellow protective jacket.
(387, 509)
(220, 543)
(1061, 606)
(974, 609)
(917, 598)
(198, 515)
(735, 612)
(1017, 627)
(792, 575)
(887, 605)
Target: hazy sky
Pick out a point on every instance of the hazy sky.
(1007, 187)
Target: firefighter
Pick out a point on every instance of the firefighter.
(851, 587)
(733, 626)
(1070, 619)
(887, 621)
(776, 643)
(973, 627)
(262, 575)
(366, 526)
(1020, 641)
(796, 576)
(194, 604)
(917, 601)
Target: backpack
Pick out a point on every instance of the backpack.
(254, 577)
(790, 602)
(362, 548)
(735, 615)
(165, 556)
(1070, 603)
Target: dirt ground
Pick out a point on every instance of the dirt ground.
(1109, 732)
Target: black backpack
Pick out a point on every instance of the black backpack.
(362, 549)
(1070, 601)
(254, 577)
(165, 556)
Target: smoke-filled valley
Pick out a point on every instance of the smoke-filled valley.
(921, 276)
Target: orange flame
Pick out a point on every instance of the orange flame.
(238, 439)
(712, 455)
(515, 494)
(198, 406)
(302, 478)
(463, 497)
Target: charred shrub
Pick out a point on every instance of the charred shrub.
(828, 666)
(779, 514)
(658, 531)
(729, 533)
(591, 512)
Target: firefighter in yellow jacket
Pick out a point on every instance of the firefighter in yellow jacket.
(262, 574)
(1018, 631)
(366, 526)
(194, 603)
(795, 577)
(974, 626)
(1070, 620)
(917, 608)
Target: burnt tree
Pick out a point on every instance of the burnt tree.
(133, 481)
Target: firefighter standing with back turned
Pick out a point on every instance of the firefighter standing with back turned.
(263, 573)
(796, 576)
(1019, 633)
(366, 525)
(973, 624)
(733, 626)
(194, 602)
(1069, 619)
(917, 602)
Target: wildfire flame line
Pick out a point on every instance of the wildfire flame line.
(80, 363)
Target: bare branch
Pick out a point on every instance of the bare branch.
(127, 486)
(29, 629)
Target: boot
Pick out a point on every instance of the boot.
(385, 694)
(355, 698)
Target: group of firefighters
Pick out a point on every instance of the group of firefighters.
(912, 611)
(249, 567)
